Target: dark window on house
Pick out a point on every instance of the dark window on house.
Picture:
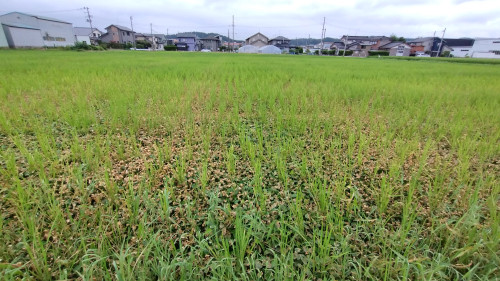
(464, 50)
(128, 33)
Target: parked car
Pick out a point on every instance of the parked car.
(422, 54)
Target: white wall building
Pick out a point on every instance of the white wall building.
(24, 30)
(486, 48)
(3, 39)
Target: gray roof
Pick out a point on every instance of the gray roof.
(459, 42)
(40, 17)
(280, 38)
(423, 39)
(18, 25)
(121, 27)
(365, 37)
(257, 34)
(211, 38)
(390, 45)
(84, 31)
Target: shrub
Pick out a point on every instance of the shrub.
(142, 44)
(115, 45)
(347, 52)
(170, 48)
(378, 53)
(83, 46)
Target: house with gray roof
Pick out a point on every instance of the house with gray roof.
(31, 31)
(258, 40)
(281, 42)
(212, 43)
(118, 34)
(369, 42)
(188, 42)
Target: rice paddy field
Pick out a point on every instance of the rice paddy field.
(126, 165)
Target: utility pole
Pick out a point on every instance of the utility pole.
(89, 19)
(132, 27)
(322, 35)
(345, 45)
(153, 45)
(233, 35)
(441, 45)
(433, 38)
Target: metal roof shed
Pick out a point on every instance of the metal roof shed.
(22, 36)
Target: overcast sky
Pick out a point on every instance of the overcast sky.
(290, 18)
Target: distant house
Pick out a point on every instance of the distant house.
(427, 45)
(460, 48)
(87, 35)
(359, 49)
(387, 47)
(187, 42)
(486, 48)
(118, 34)
(281, 42)
(400, 50)
(27, 31)
(366, 42)
(212, 43)
(257, 40)
(337, 46)
(396, 49)
(140, 37)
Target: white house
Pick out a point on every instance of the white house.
(24, 30)
(486, 48)
(87, 35)
(400, 50)
(460, 48)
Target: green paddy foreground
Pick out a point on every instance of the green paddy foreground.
(125, 165)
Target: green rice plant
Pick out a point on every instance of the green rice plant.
(384, 195)
(297, 212)
(204, 176)
(280, 163)
(257, 183)
(231, 160)
(133, 202)
(180, 168)
(242, 236)
(110, 167)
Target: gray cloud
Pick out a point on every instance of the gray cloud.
(282, 17)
